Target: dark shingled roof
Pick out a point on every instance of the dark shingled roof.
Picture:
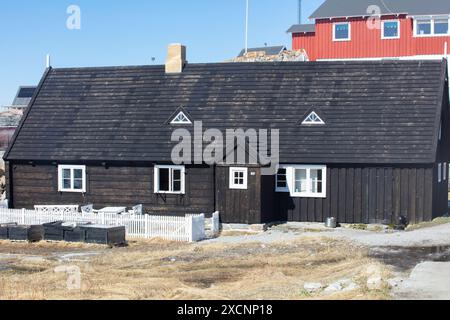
(302, 28)
(358, 8)
(269, 51)
(376, 112)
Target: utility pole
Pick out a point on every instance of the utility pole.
(299, 11)
(246, 27)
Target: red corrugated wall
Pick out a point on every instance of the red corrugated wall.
(365, 42)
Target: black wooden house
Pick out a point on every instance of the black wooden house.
(360, 141)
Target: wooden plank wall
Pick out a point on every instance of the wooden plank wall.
(114, 186)
(365, 195)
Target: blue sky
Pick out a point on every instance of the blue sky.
(131, 33)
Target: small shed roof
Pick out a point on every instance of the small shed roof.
(23, 96)
(302, 28)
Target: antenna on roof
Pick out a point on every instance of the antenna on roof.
(299, 11)
(246, 27)
(48, 61)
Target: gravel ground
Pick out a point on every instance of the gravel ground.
(433, 236)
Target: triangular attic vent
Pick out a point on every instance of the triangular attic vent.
(181, 118)
(313, 118)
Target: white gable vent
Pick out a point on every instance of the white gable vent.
(181, 118)
(313, 119)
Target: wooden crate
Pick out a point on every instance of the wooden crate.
(4, 234)
(104, 234)
(75, 235)
(26, 233)
(53, 231)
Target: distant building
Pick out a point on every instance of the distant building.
(268, 51)
(347, 30)
(270, 54)
(10, 115)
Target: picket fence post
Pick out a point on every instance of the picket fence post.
(189, 224)
(23, 216)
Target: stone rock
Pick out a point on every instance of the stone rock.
(375, 282)
(313, 287)
(394, 282)
(342, 285)
(335, 287)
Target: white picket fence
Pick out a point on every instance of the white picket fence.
(190, 228)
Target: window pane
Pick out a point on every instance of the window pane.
(177, 186)
(441, 26)
(66, 173)
(66, 184)
(78, 174)
(164, 180)
(391, 29)
(316, 180)
(176, 174)
(281, 179)
(78, 184)
(424, 27)
(341, 31)
(301, 184)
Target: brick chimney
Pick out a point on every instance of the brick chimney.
(176, 58)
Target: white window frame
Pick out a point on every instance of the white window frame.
(286, 189)
(440, 172)
(61, 188)
(187, 121)
(382, 30)
(432, 20)
(308, 169)
(290, 175)
(235, 186)
(349, 31)
(171, 170)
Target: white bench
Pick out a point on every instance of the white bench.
(56, 209)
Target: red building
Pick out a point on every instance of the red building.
(374, 29)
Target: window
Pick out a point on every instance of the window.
(441, 26)
(426, 27)
(313, 119)
(309, 181)
(390, 30)
(238, 178)
(72, 178)
(341, 31)
(169, 179)
(445, 167)
(305, 181)
(181, 118)
(282, 180)
(423, 27)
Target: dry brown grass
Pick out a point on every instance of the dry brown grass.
(164, 270)
(434, 223)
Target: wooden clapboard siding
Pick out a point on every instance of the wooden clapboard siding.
(113, 186)
(367, 195)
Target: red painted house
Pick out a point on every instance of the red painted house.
(373, 29)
